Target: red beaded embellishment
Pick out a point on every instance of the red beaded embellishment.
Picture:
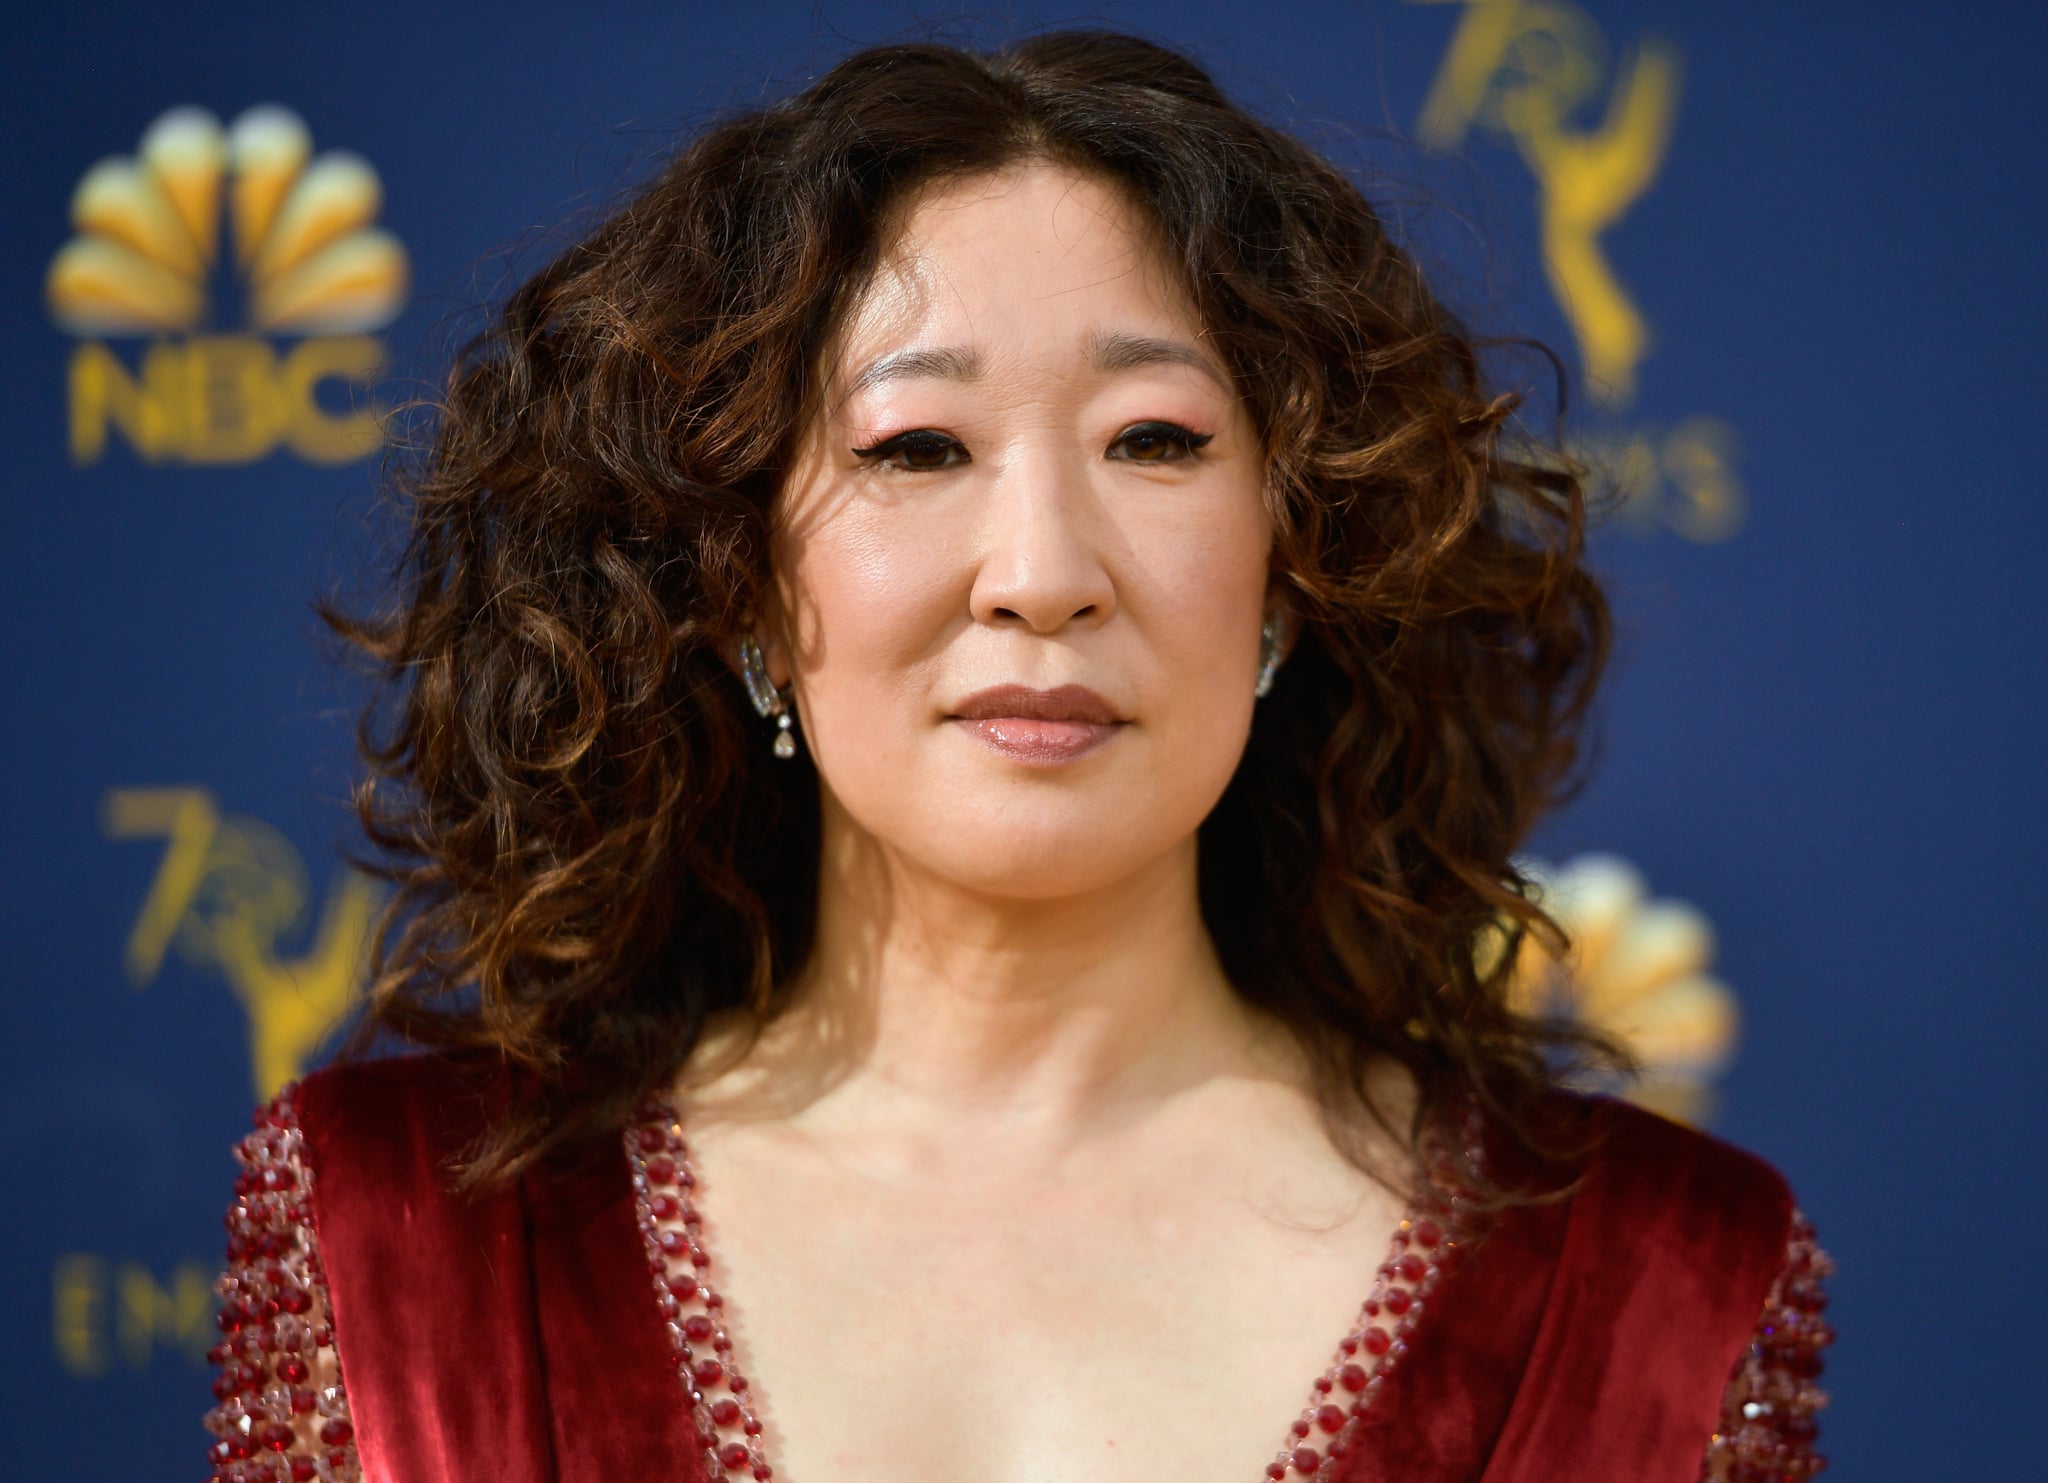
(727, 1430)
(1422, 1251)
(1768, 1429)
(283, 1414)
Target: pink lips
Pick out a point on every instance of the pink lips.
(1039, 726)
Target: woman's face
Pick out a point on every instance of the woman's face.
(1022, 558)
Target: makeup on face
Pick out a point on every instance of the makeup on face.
(1040, 728)
(1024, 553)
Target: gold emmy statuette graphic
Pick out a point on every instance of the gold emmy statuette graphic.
(228, 890)
(1522, 71)
(1637, 969)
(1536, 74)
(304, 245)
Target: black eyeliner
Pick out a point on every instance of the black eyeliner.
(1172, 433)
(903, 439)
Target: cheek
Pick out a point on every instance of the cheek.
(866, 606)
(1205, 644)
(1198, 587)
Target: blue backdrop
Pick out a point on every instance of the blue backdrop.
(1792, 254)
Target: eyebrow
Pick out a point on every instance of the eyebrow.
(1114, 351)
(1107, 351)
(951, 363)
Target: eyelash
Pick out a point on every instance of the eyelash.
(1184, 441)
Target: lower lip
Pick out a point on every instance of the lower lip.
(1027, 739)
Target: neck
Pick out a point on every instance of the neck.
(927, 1007)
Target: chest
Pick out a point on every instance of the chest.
(1149, 1327)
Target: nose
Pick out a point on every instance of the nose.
(1042, 564)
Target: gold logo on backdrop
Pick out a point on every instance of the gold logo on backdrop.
(1536, 74)
(98, 1306)
(228, 892)
(301, 239)
(1639, 968)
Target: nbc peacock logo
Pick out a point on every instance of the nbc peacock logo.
(289, 365)
(1640, 969)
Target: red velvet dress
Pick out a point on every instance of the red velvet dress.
(1662, 1324)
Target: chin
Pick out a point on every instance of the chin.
(1033, 851)
(1032, 879)
(1031, 836)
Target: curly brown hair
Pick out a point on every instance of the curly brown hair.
(593, 854)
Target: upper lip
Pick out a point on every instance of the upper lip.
(1064, 703)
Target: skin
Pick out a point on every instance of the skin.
(1018, 1188)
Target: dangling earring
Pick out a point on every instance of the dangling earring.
(1272, 642)
(768, 701)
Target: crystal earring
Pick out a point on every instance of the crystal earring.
(1272, 637)
(768, 701)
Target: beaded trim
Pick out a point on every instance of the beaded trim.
(727, 1429)
(1768, 1428)
(1421, 1252)
(1343, 1395)
(275, 1422)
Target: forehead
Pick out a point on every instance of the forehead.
(1031, 259)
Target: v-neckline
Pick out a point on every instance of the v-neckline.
(1424, 1247)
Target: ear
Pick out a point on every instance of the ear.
(776, 655)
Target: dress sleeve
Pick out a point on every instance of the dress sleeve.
(1767, 1429)
(282, 1414)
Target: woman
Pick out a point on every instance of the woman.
(1082, 988)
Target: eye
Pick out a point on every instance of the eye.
(920, 450)
(1157, 442)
